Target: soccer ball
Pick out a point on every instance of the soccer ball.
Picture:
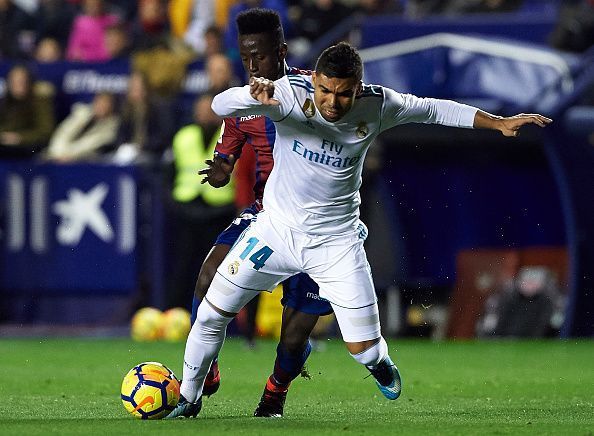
(150, 390)
(146, 324)
(176, 324)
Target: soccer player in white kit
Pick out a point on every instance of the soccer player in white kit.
(310, 222)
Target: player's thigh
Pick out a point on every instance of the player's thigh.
(223, 244)
(346, 282)
(209, 268)
(343, 273)
(250, 266)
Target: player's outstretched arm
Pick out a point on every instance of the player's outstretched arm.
(218, 172)
(253, 99)
(508, 126)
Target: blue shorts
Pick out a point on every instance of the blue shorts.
(300, 292)
(236, 228)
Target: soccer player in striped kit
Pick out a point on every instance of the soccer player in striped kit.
(263, 51)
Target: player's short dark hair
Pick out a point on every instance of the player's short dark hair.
(341, 61)
(259, 20)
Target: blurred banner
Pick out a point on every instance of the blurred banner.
(74, 81)
(68, 229)
(531, 25)
(494, 74)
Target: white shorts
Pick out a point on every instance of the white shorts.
(269, 252)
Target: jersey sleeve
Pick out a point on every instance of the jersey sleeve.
(238, 102)
(407, 108)
(231, 140)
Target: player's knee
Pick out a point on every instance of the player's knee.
(210, 322)
(373, 354)
(296, 329)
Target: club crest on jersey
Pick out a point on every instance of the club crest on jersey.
(308, 108)
(233, 268)
(362, 130)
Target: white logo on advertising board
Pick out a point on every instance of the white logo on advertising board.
(81, 211)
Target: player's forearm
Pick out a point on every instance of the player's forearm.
(433, 111)
(236, 102)
(485, 120)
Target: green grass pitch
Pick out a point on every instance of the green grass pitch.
(72, 386)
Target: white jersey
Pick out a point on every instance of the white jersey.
(314, 184)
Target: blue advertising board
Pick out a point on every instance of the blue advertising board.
(68, 228)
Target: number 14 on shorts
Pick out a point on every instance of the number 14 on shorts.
(259, 257)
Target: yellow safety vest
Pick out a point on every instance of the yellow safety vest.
(189, 155)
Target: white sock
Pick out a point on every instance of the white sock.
(203, 345)
(373, 355)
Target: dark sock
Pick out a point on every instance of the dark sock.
(287, 367)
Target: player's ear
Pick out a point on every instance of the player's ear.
(359, 88)
(313, 78)
(282, 52)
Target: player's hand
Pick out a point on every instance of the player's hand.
(510, 126)
(218, 172)
(263, 91)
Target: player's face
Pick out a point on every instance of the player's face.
(334, 97)
(261, 56)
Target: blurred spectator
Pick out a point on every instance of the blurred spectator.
(379, 7)
(54, 19)
(200, 211)
(180, 15)
(172, 60)
(526, 309)
(202, 19)
(125, 9)
(213, 38)
(316, 18)
(87, 37)
(87, 131)
(16, 35)
(117, 42)
(164, 66)
(574, 31)
(26, 114)
(220, 73)
(145, 132)
(48, 50)
(222, 11)
(150, 26)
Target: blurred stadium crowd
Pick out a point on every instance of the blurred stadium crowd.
(171, 35)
